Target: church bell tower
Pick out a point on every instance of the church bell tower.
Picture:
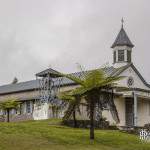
(122, 49)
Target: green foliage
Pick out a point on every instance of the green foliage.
(50, 135)
(2, 118)
(93, 85)
(92, 80)
(9, 104)
(66, 96)
(101, 124)
(73, 103)
(55, 110)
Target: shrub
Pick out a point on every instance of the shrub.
(2, 118)
(147, 126)
(102, 124)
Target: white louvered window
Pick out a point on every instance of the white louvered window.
(120, 55)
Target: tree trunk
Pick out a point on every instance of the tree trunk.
(92, 120)
(7, 115)
(74, 119)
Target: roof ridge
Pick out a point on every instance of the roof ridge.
(18, 83)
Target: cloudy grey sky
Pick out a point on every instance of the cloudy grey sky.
(37, 34)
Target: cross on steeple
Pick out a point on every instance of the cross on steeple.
(122, 22)
(122, 48)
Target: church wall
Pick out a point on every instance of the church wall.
(22, 114)
(20, 95)
(143, 112)
(120, 105)
(66, 88)
(137, 81)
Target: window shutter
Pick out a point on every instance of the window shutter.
(114, 56)
(129, 56)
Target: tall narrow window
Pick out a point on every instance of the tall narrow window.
(21, 109)
(129, 56)
(114, 56)
(28, 107)
(120, 55)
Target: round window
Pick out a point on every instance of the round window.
(130, 81)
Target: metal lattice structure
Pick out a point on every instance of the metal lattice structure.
(49, 86)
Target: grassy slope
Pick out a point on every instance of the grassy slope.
(49, 135)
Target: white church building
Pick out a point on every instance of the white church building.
(133, 104)
(132, 94)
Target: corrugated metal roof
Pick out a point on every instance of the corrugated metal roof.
(34, 84)
(22, 86)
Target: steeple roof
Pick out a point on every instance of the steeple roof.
(122, 39)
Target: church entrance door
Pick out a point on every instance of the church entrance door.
(129, 112)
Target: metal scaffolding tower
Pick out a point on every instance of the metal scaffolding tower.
(49, 85)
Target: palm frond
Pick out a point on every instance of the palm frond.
(74, 78)
(92, 85)
(65, 96)
(73, 105)
(94, 77)
(73, 102)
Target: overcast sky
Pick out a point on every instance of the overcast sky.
(37, 34)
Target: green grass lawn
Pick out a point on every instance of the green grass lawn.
(50, 135)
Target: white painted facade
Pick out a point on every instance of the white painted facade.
(138, 83)
(141, 107)
(41, 111)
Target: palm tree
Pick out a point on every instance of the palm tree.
(96, 88)
(73, 102)
(9, 105)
